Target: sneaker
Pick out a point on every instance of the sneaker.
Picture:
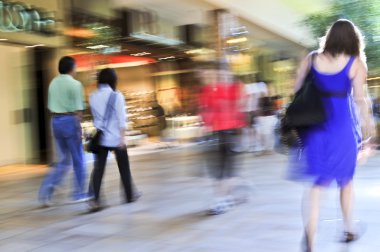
(219, 209)
(45, 198)
(229, 202)
(94, 206)
(46, 203)
(80, 200)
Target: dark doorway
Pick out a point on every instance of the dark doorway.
(41, 57)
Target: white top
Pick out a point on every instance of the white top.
(266, 124)
(117, 118)
(254, 92)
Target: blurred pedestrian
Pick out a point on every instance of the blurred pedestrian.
(222, 115)
(65, 102)
(331, 148)
(266, 122)
(108, 111)
(253, 92)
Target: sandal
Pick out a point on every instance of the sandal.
(349, 237)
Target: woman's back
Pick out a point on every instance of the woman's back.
(330, 65)
(333, 74)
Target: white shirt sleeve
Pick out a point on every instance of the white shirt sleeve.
(97, 119)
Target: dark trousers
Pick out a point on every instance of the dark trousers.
(220, 157)
(125, 172)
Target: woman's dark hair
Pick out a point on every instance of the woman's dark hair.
(66, 65)
(343, 37)
(108, 76)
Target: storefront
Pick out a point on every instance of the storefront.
(154, 72)
(29, 46)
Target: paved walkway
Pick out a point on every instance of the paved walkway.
(170, 216)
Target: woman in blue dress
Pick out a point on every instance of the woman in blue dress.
(331, 148)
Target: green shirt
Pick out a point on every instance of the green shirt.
(65, 95)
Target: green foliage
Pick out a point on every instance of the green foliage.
(364, 13)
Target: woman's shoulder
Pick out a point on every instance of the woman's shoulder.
(359, 62)
(359, 66)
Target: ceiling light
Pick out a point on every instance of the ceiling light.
(165, 58)
(3, 39)
(237, 40)
(140, 54)
(97, 47)
(33, 46)
(200, 51)
(101, 28)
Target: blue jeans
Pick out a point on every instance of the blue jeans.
(67, 134)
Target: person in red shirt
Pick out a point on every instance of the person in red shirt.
(220, 102)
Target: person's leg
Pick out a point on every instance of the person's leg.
(97, 173)
(79, 189)
(268, 143)
(125, 172)
(311, 208)
(259, 134)
(220, 184)
(346, 200)
(74, 143)
(90, 192)
(57, 172)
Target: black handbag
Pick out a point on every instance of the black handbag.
(307, 107)
(94, 141)
(305, 110)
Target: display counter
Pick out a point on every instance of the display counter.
(184, 127)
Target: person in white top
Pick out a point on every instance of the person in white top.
(250, 139)
(266, 123)
(113, 128)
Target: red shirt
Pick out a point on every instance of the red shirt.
(221, 106)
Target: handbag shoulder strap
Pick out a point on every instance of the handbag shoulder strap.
(107, 114)
(312, 56)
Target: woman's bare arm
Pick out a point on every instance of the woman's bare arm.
(358, 75)
(302, 72)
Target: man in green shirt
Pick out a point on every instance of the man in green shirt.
(65, 102)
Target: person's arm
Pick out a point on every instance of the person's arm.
(79, 101)
(50, 99)
(95, 116)
(302, 72)
(358, 75)
(121, 117)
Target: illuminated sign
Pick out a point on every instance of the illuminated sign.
(17, 17)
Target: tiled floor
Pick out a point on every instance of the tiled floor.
(170, 216)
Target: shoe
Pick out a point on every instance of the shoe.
(230, 202)
(306, 245)
(136, 196)
(238, 149)
(46, 203)
(349, 237)
(217, 210)
(94, 206)
(221, 207)
(80, 200)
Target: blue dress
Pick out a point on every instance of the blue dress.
(331, 148)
